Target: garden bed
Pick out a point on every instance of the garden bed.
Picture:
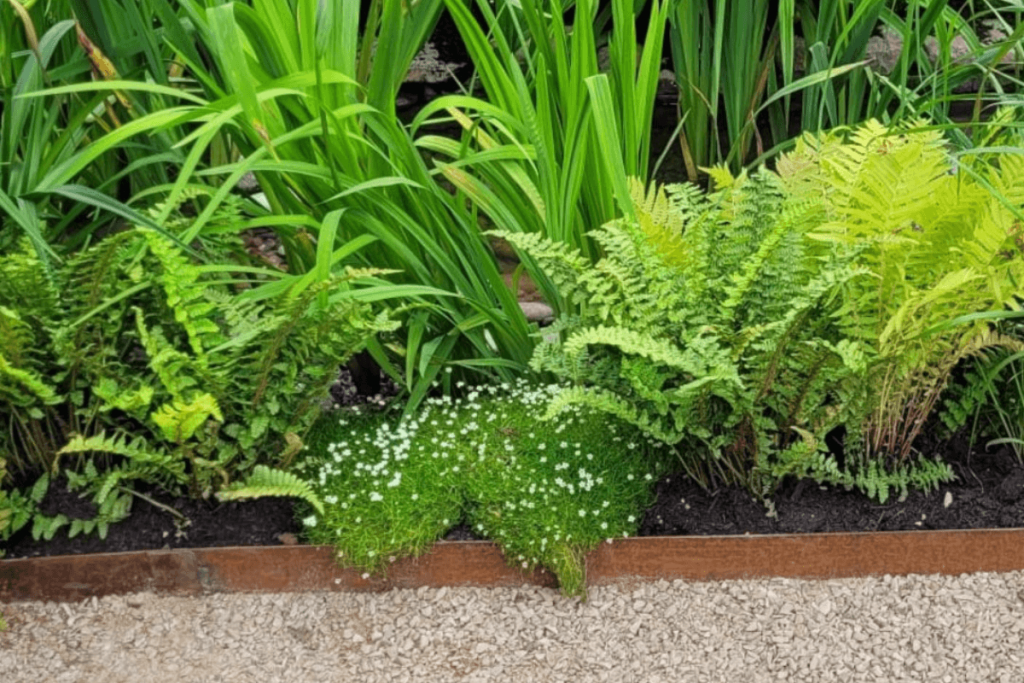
(988, 494)
(973, 524)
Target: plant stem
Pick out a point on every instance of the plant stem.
(175, 513)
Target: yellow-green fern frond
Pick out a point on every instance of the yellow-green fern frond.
(178, 421)
(660, 222)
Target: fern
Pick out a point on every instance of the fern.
(938, 246)
(662, 221)
(15, 508)
(141, 460)
(684, 326)
(132, 363)
(185, 295)
(179, 421)
(962, 401)
(208, 382)
(29, 377)
(745, 324)
(264, 481)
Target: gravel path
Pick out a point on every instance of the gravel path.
(892, 629)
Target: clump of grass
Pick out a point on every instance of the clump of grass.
(546, 492)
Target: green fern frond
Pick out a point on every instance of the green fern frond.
(23, 387)
(691, 361)
(670, 432)
(136, 450)
(264, 482)
(185, 294)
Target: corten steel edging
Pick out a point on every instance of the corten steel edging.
(479, 563)
(808, 556)
(269, 569)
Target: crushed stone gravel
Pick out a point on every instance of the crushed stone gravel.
(892, 629)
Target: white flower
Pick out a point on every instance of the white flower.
(331, 500)
(310, 521)
(415, 496)
(376, 497)
(583, 513)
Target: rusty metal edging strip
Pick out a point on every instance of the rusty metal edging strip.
(695, 558)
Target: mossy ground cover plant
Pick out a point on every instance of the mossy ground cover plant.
(546, 492)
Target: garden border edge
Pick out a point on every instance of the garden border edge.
(280, 569)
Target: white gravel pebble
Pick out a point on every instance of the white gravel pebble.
(891, 629)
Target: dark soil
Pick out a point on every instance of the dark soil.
(267, 521)
(989, 493)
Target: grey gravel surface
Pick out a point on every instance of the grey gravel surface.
(892, 629)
